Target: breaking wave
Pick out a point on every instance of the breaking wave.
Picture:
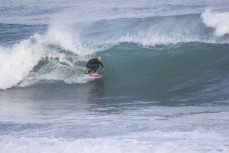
(62, 51)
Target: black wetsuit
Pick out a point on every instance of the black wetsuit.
(93, 65)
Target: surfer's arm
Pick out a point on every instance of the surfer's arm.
(101, 65)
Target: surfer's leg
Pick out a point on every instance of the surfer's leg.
(90, 68)
(89, 71)
(95, 68)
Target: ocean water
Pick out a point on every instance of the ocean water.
(165, 88)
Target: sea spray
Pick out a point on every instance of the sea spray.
(218, 21)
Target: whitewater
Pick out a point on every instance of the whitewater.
(165, 88)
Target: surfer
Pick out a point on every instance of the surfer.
(93, 65)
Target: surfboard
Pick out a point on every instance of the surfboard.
(95, 76)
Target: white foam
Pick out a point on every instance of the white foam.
(218, 21)
(142, 142)
(155, 38)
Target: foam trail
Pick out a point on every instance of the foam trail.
(218, 21)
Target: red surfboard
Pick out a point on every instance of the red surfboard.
(95, 76)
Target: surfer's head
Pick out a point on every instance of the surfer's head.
(100, 58)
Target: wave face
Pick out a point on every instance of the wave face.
(191, 71)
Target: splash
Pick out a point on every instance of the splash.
(58, 54)
(218, 21)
